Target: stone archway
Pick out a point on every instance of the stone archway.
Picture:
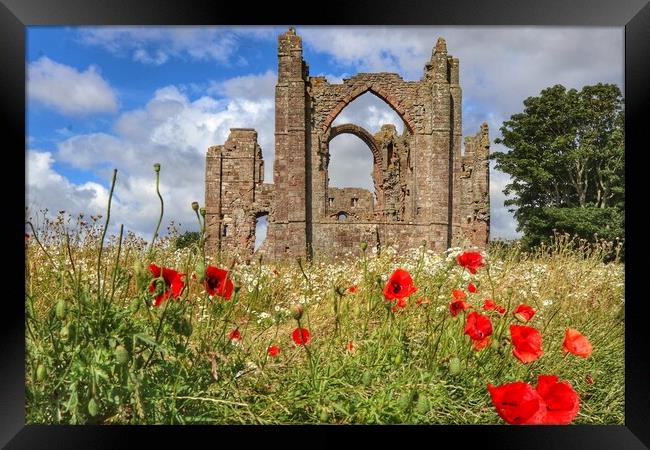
(373, 145)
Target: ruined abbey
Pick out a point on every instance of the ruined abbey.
(425, 188)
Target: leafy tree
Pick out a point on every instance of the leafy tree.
(567, 163)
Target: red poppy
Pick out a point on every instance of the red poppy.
(422, 301)
(276, 273)
(235, 335)
(523, 312)
(517, 403)
(490, 304)
(470, 260)
(527, 342)
(300, 336)
(173, 283)
(481, 344)
(458, 294)
(401, 303)
(589, 379)
(26, 237)
(353, 289)
(478, 327)
(273, 350)
(218, 283)
(350, 346)
(562, 402)
(399, 285)
(472, 288)
(457, 306)
(576, 343)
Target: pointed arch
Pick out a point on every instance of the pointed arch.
(379, 92)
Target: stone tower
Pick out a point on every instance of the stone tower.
(425, 189)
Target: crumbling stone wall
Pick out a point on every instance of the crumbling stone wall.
(424, 188)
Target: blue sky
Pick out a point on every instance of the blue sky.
(126, 97)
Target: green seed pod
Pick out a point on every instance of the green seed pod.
(404, 401)
(423, 406)
(61, 309)
(156, 167)
(93, 409)
(195, 206)
(366, 379)
(40, 372)
(398, 358)
(324, 415)
(454, 366)
(64, 334)
(200, 271)
(364, 246)
(121, 355)
(183, 326)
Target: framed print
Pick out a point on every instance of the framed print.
(412, 218)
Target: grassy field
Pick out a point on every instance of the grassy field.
(99, 352)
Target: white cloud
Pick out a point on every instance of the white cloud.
(171, 130)
(67, 90)
(158, 45)
(45, 188)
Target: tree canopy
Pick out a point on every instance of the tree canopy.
(567, 164)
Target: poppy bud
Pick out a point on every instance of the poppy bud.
(40, 372)
(156, 167)
(202, 212)
(121, 355)
(61, 309)
(340, 290)
(195, 206)
(200, 271)
(364, 246)
(297, 312)
(405, 400)
(64, 334)
(398, 358)
(93, 409)
(423, 406)
(454, 366)
(366, 379)
(324, 415)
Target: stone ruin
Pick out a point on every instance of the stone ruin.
(425, 189)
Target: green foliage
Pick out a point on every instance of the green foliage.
(567, 154)
(188, 239)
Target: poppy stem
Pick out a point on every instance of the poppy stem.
(162, 318)
(162, 206)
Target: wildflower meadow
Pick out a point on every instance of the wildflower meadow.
(121, 330)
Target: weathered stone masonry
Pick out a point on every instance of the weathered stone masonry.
(425, 189)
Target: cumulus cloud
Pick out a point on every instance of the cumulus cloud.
(45, 188)
(68, 90)
(158, 45)
(170, 129)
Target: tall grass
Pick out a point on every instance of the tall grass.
(99, 352)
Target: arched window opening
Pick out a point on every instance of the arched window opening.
(342, 217)
(351, 163)
(261, 227)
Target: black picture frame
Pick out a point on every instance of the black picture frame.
(634, 15)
